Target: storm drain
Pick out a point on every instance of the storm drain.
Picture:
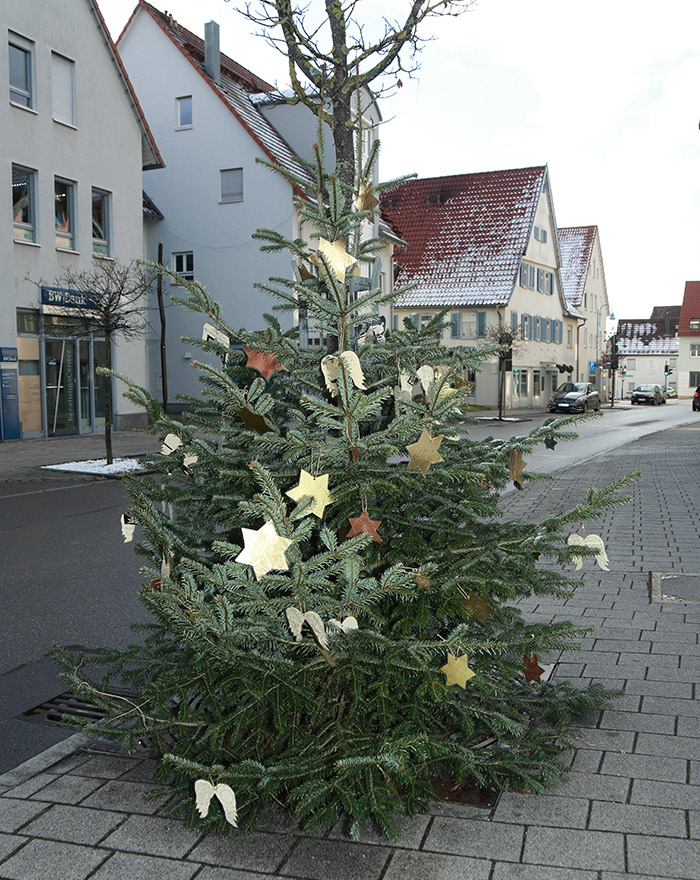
(674, 587)
(52, 710)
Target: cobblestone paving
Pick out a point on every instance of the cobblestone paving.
(630, 808)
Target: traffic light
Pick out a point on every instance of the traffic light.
(667, 370)
(614, 355)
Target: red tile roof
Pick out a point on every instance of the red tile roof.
(466, 234)
(690, 309)
(235, 90)
(576, 246)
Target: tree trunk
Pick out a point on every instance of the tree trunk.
(108, 401)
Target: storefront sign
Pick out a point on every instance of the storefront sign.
(59, 296)
(8, 355)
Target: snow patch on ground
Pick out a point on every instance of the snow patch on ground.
(98, 466)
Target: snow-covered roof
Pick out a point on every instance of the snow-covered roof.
(640, 336)
(237, 87)
(657, 345)
(576, 246)
(466, 233)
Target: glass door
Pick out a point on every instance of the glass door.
(61, 392)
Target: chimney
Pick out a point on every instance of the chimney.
(667, 324)
(212, 53)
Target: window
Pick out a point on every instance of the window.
(672, 363)
(514, 323)
(231, 185)
(549, 283)
(534, 329)
(27, 322)
(481, 323)
(21, 85)
(23, 208)
(183, 265)
(456, 328)
(560, 331)
(184, 111)
(536, 386)
(425, 320)
(544, 330)
(100, 221)
(694, 378)
(540, 234)
(524, 325)
(568, 337)
(527, 276)
(64, 205)
(694, 349)
(694, 324)
(631, 363)
(63, 89)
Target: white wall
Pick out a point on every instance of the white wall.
(104, 150)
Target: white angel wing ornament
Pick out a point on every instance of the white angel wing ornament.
(204, 791)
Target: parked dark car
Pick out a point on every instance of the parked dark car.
(649, 394)
(696, 399)
(575, 397)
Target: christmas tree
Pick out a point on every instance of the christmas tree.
(332, 586)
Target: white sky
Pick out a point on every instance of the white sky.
(607, 92)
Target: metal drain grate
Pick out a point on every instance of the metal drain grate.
(51, 711)
(674, 587)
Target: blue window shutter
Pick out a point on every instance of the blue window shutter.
(531, 278)
(561, 330)
(513, 322)
(481, 323)
(523, 326)
(533, 327)
(456, 329)
(396, 322)
(416, 321)
(523, 274)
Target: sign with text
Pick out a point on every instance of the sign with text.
(60, 296)
(8, 355)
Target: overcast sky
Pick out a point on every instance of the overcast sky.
(606, 92)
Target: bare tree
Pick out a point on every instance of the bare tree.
(331, 56)
(113, 305)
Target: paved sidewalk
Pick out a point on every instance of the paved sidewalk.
(630, 808)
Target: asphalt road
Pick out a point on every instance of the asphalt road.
(66, 576)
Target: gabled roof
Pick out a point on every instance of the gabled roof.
(150, 155)
(466, 233)
(640, 336)
(576, 246)
(235, 90)
(151, 211)
(690, 309)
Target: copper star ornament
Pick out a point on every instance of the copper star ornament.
(363, 523)
(366, 199)
(533, 672)
(264, 550)
(478, 606)
(425, 452)
(457, 670)
(265, 364)
(336, 256)
(252, 420)
(316, 487)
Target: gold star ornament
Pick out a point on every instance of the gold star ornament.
(517, 466)
(264, 550)
(366, 199)
(425, 452)
(252, 420)
(316, 487)
(457, 670)
(336, 256)
(477, 606)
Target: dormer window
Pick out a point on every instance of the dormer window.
(694, 324)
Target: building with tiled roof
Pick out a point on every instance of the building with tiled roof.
(485, 247)
(217, 123)
(689, 340)
(583, 279)
(75, 142)
(648, 350)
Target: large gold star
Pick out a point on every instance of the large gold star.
(252, 420)
(316, 487)
(478, 606)
(264, 550)
(336, 256)
(266, 364)
(425, 452)
(366, 199)
(457, 670)
(516, 468)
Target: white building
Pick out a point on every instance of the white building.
(647, 348)
(74, 142)
(213, 120)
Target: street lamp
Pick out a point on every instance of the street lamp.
(611, 317)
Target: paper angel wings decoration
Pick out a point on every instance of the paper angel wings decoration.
(205, 791)
(595, 542)
(351, 362)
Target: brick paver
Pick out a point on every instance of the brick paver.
(630, 807)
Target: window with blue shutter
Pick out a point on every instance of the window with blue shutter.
(396, 322)
(456, 328)
(523, 326)
(561, 331)
(481, 323)
(531, 278)
(550, 283)
(523, 274)
(533, 327)
(514, 323)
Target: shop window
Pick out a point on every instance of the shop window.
(27, 322)
(100, 222)
(21, 53)
(64, 209)
(23, 203)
